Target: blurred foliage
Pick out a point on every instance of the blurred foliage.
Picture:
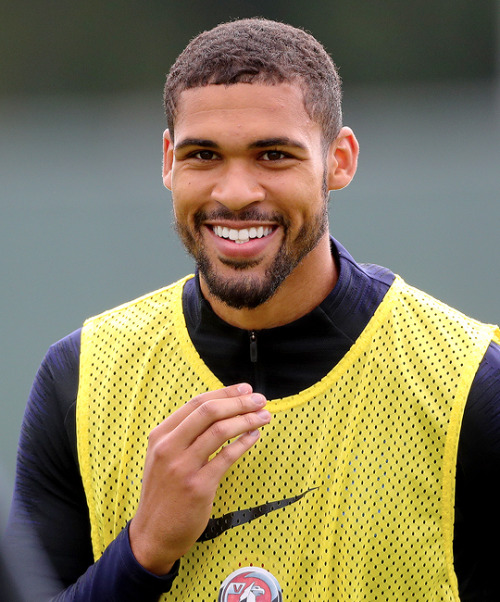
(55, 46)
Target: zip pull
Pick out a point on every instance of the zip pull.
(253, 347)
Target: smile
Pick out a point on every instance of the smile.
(243, 235)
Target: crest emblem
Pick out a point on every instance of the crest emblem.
(250, 584)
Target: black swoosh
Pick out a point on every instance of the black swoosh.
(217, 526)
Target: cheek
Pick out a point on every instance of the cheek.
(189, 192)
(185, 213)
(302, 202)
(178, 207)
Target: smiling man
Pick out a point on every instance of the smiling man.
(286, 423)
(250, 179)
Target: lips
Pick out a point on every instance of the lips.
(242, 235)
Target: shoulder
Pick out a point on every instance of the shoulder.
(56, 381)
(143, 310)
(480, 434)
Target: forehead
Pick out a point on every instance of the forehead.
(261, 108)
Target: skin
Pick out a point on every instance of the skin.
(179, 480)
(241, 150)
(236, 170)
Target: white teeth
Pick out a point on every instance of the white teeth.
(243, 235)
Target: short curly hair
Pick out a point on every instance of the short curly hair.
(263, 51)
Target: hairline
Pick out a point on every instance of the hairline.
(241, 51)
(296, 80)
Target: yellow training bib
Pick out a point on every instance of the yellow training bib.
(349, 493)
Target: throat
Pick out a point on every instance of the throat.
(303, 290)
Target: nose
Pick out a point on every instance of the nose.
(237, 187)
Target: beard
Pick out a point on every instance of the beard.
(244, 289)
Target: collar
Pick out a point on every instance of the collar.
(295, 355)
(350, 304)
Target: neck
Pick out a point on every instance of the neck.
(303, 290)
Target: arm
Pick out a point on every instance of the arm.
(181, 473)
(48, 534)
(49, 507)
(477, 519)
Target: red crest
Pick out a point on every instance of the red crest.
(250, 584)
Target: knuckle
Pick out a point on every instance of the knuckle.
(230, 453)
(230, 391)
(241, 403)
(197, 401)
(158, 450)
(195, 488)
(218, 430)
(177, 472)
(250, 420)
(227, 454)
(205, 409)
(209, 410)
(153, 436)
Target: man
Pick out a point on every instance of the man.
(370, 472)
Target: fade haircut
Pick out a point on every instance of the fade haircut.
(265, 52)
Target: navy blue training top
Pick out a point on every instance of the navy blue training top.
(49, 496)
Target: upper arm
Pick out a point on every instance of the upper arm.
(477, 519)
(49, 502)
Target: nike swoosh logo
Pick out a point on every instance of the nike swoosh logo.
(218, 526)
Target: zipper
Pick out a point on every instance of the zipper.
(253, 346)
(258, 385)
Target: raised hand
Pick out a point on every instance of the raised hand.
(181, 478)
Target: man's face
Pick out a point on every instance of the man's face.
(248, 179)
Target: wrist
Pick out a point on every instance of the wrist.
(146, 555)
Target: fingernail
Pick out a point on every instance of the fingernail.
(258, 399)
(244, 388)
(264, 414)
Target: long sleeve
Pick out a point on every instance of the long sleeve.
(48, 533)
(50, 502)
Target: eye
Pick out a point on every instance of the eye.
(273, 155)
(204, 155)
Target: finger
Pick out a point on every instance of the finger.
(212, 415)
(220, 432)
(177, 417)
(229, 454)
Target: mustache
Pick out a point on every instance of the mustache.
(250, 214)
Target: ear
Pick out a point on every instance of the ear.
(342, 159)
(168, 159)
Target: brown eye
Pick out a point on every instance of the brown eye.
(273, 155)
(204, 155)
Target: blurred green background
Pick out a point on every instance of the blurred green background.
(85, 223)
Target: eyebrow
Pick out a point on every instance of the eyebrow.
(196, 142)
(284, 141)
(264, 143)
